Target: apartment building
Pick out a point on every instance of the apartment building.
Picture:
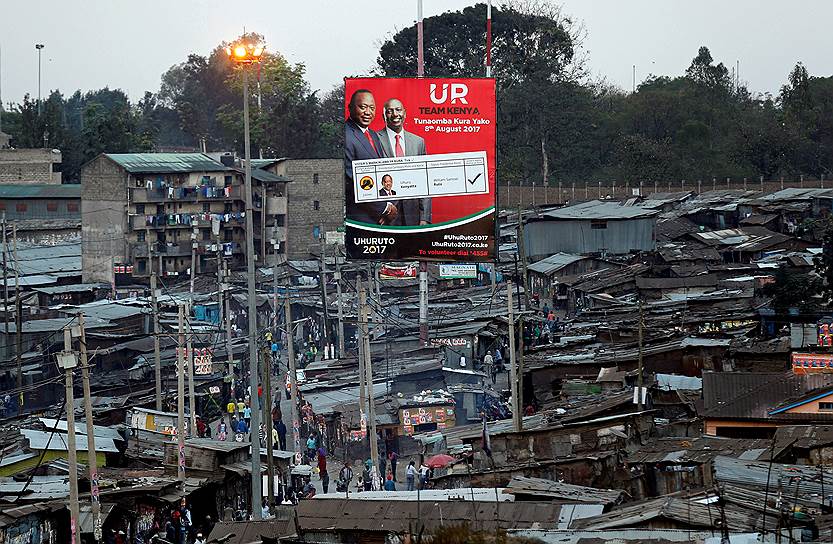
(147, 211)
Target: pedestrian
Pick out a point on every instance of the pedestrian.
(489, 366)
(311, 449)
(184, 517)
(242, 427)
(222, 430)
(240, 407)
(367, 482)
(322, 461)
(231, 407)
(200, 427)
(410, 474)
(325, 480)
(389, 485)
(383, 464)
(462, 361)
(345, 475)
(393, 457)
(247, 415)
(281, 428)
(423, 476)
(200, 539)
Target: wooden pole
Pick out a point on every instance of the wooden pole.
(157, 358)
(293, 379)
(18, 315)
(513, 369)
(639, 375)
(72, 452)
(268, 425)
(92, 462)
(371, 401)
(192, 404)
(180, 395)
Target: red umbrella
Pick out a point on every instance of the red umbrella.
(439, 461)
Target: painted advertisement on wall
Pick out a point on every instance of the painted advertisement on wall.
(419, 169)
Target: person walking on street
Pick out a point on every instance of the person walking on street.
(410, 475)
(325, 480)
(389, 484)
(393, 457)
(488, 366)
(281, 428)
(247, 415)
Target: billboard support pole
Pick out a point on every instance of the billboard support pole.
(423, 266)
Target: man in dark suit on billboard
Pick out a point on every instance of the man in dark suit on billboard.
(398, 142)
(387, 186)
(362, 143)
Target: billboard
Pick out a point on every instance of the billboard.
(458, 271)
(419, 169)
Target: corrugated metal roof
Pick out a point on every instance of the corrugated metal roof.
(40, 440)
(751, 395)
(554, 263)
(166, 163)
(12, 190)
(521, 485)
(596, 209)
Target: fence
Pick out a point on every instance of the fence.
(536, 195)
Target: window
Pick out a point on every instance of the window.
(228, 235)
(72, 206)
(21, 206)
(206, 234)
(206, 207)
(227, 209)
(52, 206)
(140, 209)
(227, 181)
(316, 232)
(140, 235)
(280, 220)
(598, 224)
(316, 205)
(315, 179)
(2, 206)
(142, 266)
(826, 407)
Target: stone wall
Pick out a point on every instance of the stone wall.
(313, 180)
(103, 219)
(29, 166)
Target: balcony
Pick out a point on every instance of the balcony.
(276, 205)
(200, 193)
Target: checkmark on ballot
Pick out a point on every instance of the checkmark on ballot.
(475, 178)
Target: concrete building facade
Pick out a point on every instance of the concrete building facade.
(316, 199)
(30, 166)
(151, 209)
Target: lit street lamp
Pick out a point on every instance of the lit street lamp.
(246, 53)
(39, 46)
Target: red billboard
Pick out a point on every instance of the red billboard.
(419, 169)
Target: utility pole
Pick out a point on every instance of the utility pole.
(522, 255)
(229, 350)
(193, 259)
(192, 404)
(6, 279)
(362, 355)
(18, 316)
(513, 369)
(639, 375)
(251, 294)
(322, 277)
(157, 358)
(68, 361)
(222, 315)
(293, 381)
(39, 46)
(180, 395)
(92, 462)
(371, 402)
(268, 425)
(340, 306)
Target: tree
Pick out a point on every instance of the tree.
(794, 291)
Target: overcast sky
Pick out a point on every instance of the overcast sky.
(121, 44)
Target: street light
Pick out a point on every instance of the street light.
(246, 53)
(39, 46)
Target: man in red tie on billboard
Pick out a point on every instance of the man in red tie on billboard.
(362, 143)
(398, 142)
